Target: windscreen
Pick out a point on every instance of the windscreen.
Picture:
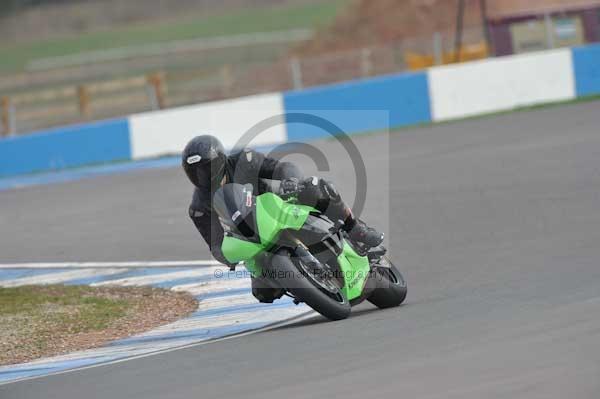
(234, 203)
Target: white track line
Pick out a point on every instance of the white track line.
(99, 265)
(57, 278)
(207, 287)
(159, 278)
(304, 316)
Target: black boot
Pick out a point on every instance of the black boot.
(363, 234)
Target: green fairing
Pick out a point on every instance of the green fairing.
(236, 250)
(274, 215)
(355, 269)
(253, 267)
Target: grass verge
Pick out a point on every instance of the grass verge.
(39, 321)
(262, 19)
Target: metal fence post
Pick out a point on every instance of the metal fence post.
(366, 64)
(458, 36)
(8, 117)
(549, 33)
(83, 98)
(5, 103)
(296, 70)
(437, 48)
(156, 90)
(227, 78)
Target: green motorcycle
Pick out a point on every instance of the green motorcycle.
(298, 251)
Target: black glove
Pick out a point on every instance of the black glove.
(290, 188)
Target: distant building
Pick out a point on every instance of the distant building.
(518, 26)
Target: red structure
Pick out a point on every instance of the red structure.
(518, 26)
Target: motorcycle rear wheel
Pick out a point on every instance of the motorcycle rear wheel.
(390, 288)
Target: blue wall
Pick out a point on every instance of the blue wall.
(394, 101)
(65, 147)
(586, 64)
(400, 99)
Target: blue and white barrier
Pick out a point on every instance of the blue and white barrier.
(501, 84)
(586, 69)
(439, 94)
(167, 132)
(400, 99)
(68, 147)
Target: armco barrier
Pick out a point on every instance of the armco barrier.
(586, 63)
(68, 147)
(441, 93)
(403, 98)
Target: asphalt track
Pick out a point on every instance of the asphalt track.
(495, 222)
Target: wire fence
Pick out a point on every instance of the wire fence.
(80, 93)
(80, 89)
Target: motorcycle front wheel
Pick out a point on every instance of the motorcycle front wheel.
(321, 294)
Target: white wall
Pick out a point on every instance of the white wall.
(167, 132)
(500, 84)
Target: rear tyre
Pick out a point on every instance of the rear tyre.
(390, 288)
(305, 287)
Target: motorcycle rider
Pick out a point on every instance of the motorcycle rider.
(208, 168)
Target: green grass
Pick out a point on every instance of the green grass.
(72, 308)
(16, 57)
(47, 320)
(35, 319)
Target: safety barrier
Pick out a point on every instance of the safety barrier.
(501, 84)
(403, 97)
(440, 93)
(586, 65)
(68, 147)
(166, 132)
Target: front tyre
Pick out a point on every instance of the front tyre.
(390, 288)
(326, 299)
